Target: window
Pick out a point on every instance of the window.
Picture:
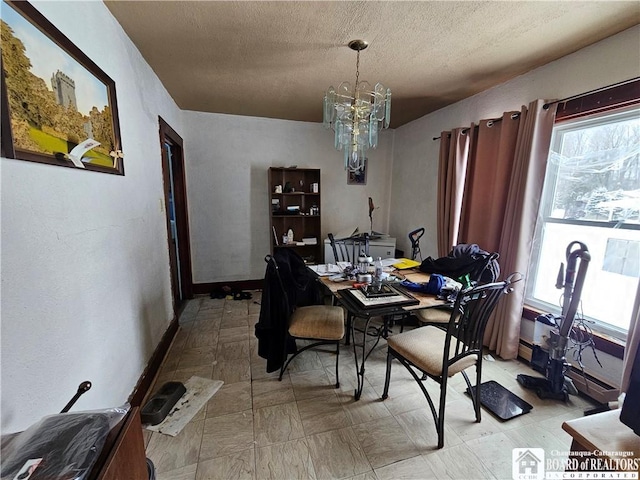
(592, 194)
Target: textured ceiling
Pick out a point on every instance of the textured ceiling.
(276, 58)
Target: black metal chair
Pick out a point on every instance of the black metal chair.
(322, 324)
(414, 238)
(441, 316)
(349, 249)
(440, 354)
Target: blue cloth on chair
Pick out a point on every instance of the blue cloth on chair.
(433, 286)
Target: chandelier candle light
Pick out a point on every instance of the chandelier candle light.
(357, 115)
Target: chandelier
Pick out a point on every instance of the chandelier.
(356, 115)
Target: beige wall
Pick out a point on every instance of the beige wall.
(228, 158)
(85, 267)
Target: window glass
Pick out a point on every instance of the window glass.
(592, 195)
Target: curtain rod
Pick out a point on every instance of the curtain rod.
(490, 122)
(562, 100)
(596, 90)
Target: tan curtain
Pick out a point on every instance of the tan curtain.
(518, 227)
(488, 182)
(633, 338)
(452, 167)
(504, 179)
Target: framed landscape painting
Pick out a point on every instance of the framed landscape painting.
(58, 107)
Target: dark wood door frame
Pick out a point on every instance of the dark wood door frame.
(180, 205)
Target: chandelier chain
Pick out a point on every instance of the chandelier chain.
(357, 70)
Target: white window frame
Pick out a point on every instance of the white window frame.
(544, 215)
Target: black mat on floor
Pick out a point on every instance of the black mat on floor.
(501, 402)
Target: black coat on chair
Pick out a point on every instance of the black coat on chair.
(272, 326)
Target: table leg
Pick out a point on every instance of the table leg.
(365, 353)
(348, 330)
(386, 328)
(359, 369)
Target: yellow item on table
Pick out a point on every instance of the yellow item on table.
(404, 263)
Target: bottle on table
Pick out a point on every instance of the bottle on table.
(377, 276)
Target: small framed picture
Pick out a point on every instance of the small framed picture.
(358, 177)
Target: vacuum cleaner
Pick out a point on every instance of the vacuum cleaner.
(556, 385)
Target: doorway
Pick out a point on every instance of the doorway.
(175, 196)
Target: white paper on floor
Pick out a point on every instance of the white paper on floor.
(199, 392)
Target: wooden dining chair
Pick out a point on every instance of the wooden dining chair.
(321, 324)
(440, 354)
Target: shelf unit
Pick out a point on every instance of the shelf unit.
(304, 222)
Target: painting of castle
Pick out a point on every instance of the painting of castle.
(55, 103)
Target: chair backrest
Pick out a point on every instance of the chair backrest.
(414, 238)
(360, 246)
(487, 270)
(273, 274)
(291, 278)
(469, 318)
(349, 249)
(335, 246)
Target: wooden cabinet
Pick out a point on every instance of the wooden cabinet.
(295, 204)
(126, 457)
(601, 440)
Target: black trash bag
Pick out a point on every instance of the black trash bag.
(60, 447)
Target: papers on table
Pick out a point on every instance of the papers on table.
(388, 265)
(405, 263)
(346, 233)
(388, 262)
(355, 232)
(328, 269)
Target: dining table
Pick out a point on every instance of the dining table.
(361, 310)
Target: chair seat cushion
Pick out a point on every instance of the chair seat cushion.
(321, 322)
(434, 315)
(424, 347)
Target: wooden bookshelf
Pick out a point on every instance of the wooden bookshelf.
(296, 207)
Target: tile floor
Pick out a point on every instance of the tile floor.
(256, 427)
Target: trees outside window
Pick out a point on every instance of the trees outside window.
(592, 194)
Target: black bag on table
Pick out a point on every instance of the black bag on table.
(465, 259)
